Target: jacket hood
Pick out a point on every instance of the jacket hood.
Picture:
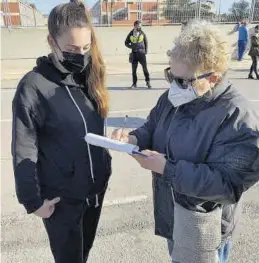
(46, 67)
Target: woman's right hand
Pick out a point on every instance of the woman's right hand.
(120, 135)
(123, 136)
(47, 209)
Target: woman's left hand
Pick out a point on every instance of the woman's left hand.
(154, 162)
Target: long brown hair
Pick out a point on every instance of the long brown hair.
(72, 15)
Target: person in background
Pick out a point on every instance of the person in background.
(58, 176)
(235, 28)
(254, 53)
(202, 146)
(184, 24)
(234, 55)
(168, 53)
(243, 36)
(137, 42)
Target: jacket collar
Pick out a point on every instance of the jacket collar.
(207, 99)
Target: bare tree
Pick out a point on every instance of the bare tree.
(240, 10)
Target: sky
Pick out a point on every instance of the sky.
(46, 5)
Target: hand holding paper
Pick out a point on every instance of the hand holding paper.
(123, 135)
(111, 144)
(155, 162)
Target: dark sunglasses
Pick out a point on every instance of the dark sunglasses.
(182, 83)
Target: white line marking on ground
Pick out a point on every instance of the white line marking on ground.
(126, 200)
(107, 203)
(125, 111)
(7, 90)
(111, 112)
(118, 111)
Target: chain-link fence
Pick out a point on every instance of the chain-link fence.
(19, 13)
(165, 12)
(150, 12)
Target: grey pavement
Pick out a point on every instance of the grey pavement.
(33, 41)
(126, 230)
(20, 47)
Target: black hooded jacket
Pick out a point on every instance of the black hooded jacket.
(50, 155)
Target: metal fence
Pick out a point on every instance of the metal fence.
(150, 12)
(166, 12)
(20, 13)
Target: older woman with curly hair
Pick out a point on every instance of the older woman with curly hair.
(202, 143)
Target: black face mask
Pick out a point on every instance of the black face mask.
(139, 29)
(75, 63)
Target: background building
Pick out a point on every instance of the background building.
(150, 12)
(18, 13)
(119, 12)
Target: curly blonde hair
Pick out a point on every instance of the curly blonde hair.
(202, 47)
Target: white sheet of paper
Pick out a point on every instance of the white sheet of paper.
(111, 144)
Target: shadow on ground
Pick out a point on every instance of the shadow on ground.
(132, 122)
(241, 70)
(166, 63)
(139, 88)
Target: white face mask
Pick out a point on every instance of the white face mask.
(179, 96)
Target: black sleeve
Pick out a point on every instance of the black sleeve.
(127, 41)
(145, 43)
(144, 133)
(27, 120)
(222, 181)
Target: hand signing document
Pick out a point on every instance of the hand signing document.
(114, 145)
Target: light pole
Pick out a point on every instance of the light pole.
(127, 10)
(112, 4)
(106, 11)
(141, 9)
(199, 10)
(7, 14)
(157, 12)
(251, 15)
(219, 15)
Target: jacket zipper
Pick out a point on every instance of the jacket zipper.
(88, 146)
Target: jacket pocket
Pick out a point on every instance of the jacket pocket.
(254, 52)
(131, 57)
(108, 161)
(71, 172)
(163, 208)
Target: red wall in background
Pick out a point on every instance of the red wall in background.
(14, 12)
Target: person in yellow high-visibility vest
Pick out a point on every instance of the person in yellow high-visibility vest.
(137, 42)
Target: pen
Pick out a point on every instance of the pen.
(140, 153)
(124, 125)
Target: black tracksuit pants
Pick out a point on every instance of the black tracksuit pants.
(72, 228)
(254, 65)
(139, 57)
